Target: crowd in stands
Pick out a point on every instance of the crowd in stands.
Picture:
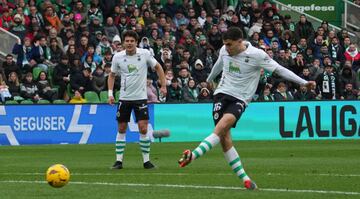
(65, 48)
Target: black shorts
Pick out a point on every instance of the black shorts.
(227, 104)
(140, 108)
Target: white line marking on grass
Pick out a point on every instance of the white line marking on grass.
(187, 174)
(191, 187)
(316, 174)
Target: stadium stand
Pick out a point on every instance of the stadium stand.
(64, 37)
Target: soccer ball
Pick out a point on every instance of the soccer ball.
(57, 175)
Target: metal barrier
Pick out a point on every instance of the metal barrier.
(8, 40)
(352, 15)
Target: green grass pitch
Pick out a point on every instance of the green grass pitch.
(282, 169)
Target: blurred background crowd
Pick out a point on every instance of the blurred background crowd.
(66, 46)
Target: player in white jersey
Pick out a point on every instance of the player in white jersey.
(240, 64)
(132, 65)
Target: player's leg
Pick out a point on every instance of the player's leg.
(233, 159)
(123, 117)
(213, 139)
(142, 117)
(223, 126)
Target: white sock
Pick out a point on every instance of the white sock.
(232, 157)
(120, 146)
(206, 145)
(145, 147)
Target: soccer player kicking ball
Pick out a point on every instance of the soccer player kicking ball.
(132, 66)
(240, 63)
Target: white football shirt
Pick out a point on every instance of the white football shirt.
(133, 73)
(241, 72)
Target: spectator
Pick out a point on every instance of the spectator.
(282, 94)
(284, 60)
(55, 51)
(18, 28)
(53, 34)
(10, 66)
(107, 58)
(306, 74)
(245, 18)
(174, 93)
(91, 52)
(4, 90)
(152, 96)
(184, 76)
(169, 75)
(352, 54)
(145, 44)
(62, 76)
(199, 73)
(230, 12)
(26, 54)
(79, 8)
(315, 69)
(116, 44)
(94, 11)
(6, 20)
(205, 95)
(83, 46)
(265, 80)
(349, 93)
(304, 28)
(328, 84)
(335, 50)
(303, 94)
(266, 95)
(98, 80)
(288, 24)
(36, 17)
(45, 90)
(170, 8)
(28, 88)
(209, 58)
(299, 64)
(214, 37)
(107, 71)
(190, 92)
(89, 63)
(80, 80)
(14, 86)
(347, 76)
(77, 98)
(45, 52)
(51, 17)
(110, 29)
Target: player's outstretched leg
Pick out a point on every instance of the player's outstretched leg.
(206, 145)
(232, 157)
(120, 147)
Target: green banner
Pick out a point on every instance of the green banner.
(265, 121)
(330, 11)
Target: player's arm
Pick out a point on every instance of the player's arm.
(111, 81)
(217, 68)
(269, 64)
(160, 72)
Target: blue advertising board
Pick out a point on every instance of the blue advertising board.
(83, 124)
(60, 124)
(265, 121)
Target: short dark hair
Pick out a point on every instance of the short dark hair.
(233, 33)
(131, 33)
